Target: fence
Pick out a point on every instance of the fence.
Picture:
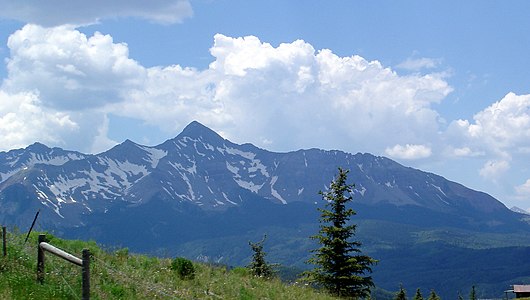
(149, 288)
(84, 263)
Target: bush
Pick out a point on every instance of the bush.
(184, 268)
(240, 271)
(122, 254)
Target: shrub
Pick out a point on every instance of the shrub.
(184, 268)
(240, 271)
(122, 254)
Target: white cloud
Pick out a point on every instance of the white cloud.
(464, 151)
(500, 133)
(494, 169)
(284, 97)
(417, 64)
(523, 191)
(503, 126)
(23, 121)
(79, 12)
(409, 151)
(69, 69)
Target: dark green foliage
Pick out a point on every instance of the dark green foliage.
(473, 294)
(184, 268)
(340, 267)
(418, 295)
(433, 296)
(401, 294)
(258, 266)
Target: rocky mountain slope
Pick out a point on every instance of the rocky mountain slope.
(199, 167)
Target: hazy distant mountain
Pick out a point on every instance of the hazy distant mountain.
(203, 196)
(519, 210)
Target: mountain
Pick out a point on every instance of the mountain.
(201, 168)
(519, 210)
(203, 196)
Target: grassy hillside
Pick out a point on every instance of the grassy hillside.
(120, 275)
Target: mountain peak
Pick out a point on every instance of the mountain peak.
(38, 147)
(196, 129)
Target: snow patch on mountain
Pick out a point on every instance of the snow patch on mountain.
(46, 201)
(249, 185)
(439, 189)
(362, 190)
(233, 169)
(228, 200)
(275, 193)
(126, 172)
(155, 155)
(300, 191)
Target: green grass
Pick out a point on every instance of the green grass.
(120, 275)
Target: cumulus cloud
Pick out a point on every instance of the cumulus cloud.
(465, 152)
(69, 69)
(286, 97)
(417, 64)
(23, 121)
(291, 96)
(78, 12)
(326, 99)
(494, 169)
(500, 133)
(523, 191)
(501, 126)
(409, 151)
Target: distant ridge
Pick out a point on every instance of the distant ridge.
(519, 210)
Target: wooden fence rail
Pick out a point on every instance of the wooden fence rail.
(83, 262)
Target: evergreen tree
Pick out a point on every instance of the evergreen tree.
(433, 296)
(401, 294)
(473, 294)
(460, 296)
(258, 266)
(418, 295)
(340, 267)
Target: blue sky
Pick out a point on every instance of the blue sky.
(438, 85)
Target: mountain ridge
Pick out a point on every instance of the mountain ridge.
(201, 167)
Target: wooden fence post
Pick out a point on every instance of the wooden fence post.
(4, 245)
(84, 263)
(40, 259)
(85, 273)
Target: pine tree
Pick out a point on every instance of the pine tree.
(340, 267)
(473, 294)
(258, 266)
(418, 295)
(401, 294)
(433, 296)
